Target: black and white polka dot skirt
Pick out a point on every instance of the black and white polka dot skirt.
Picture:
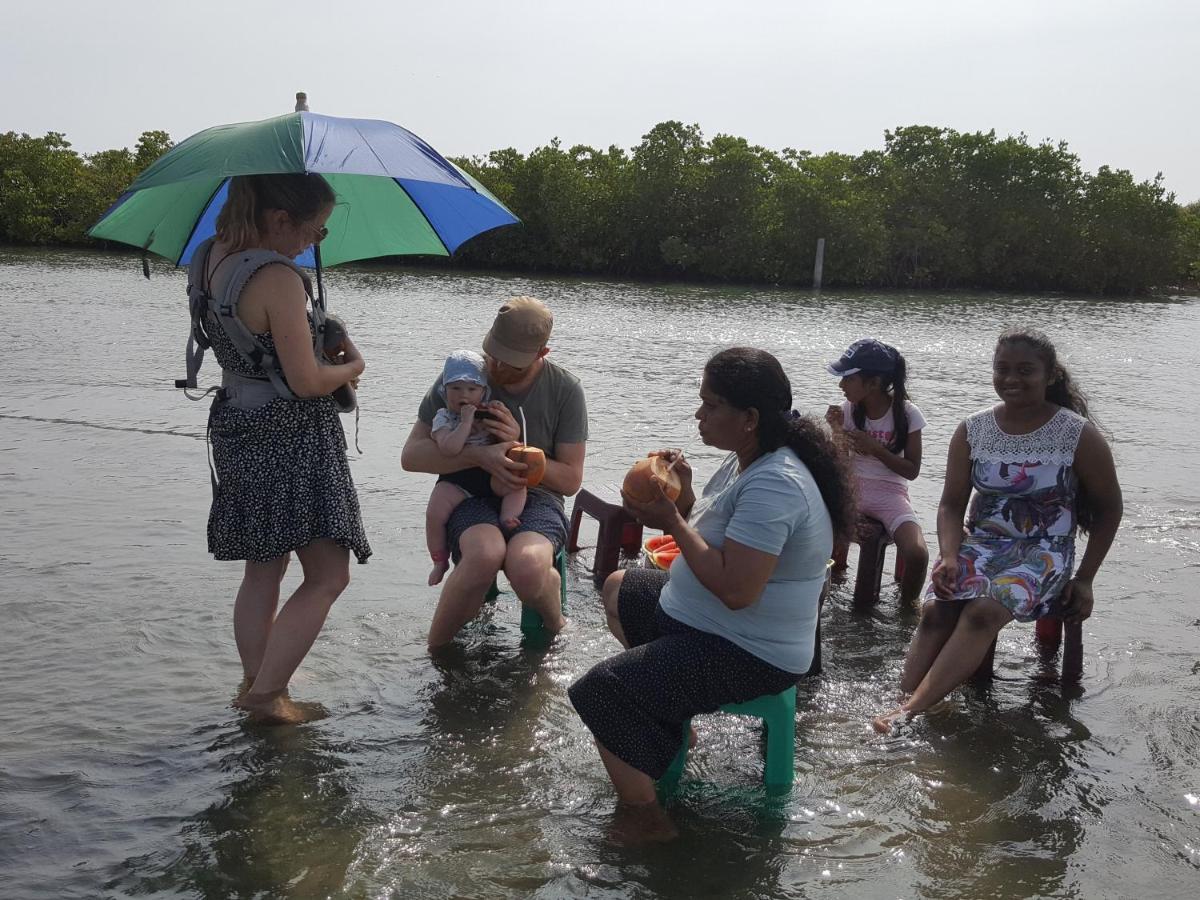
(637, 702)
(283, 481)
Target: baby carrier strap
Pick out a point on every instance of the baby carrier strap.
(246, 264)
(198, 340)
(203, 305)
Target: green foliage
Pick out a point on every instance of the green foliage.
(1130, 232)
(1188, 260)
(150, 146)
(933, 208)
(49, 194)
(38, 178)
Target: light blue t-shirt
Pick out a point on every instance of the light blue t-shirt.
(774, 506)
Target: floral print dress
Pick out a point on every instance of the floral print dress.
(1020, 546)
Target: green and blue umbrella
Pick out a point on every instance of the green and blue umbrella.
(396, 195)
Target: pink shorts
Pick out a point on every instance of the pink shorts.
(886, 501)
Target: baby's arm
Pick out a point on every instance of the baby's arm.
(452, 440)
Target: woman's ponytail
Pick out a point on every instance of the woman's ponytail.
(899, 390)
(237, 223)
(1065, 392)
(810, 440)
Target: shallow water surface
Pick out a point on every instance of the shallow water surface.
(123, 771)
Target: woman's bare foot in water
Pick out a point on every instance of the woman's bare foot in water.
(277, 708)
(693, 738)
(635, 825)
(243, 688)
(887, 723)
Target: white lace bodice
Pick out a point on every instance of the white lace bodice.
(1052, 444)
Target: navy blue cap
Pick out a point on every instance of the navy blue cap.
(867, 355)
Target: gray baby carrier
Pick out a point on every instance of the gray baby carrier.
(249, 392)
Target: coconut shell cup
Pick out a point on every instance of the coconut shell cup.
(532, 457)
(645, 474)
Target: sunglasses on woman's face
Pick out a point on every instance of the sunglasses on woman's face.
(319, 233)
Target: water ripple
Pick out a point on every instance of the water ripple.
(124, 771)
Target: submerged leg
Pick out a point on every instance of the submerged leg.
(960, 656)
(938, 620)
(326, 575)
(608, 596)
(482, 548)
(910, 544)
(529, 565)
(254, 611)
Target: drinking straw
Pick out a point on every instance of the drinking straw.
(521, 410)
(679, 455)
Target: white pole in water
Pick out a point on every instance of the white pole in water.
(819, 265)
(301, 101)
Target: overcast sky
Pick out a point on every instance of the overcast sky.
(1117, 80)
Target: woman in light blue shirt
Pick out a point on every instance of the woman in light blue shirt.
(737, 617)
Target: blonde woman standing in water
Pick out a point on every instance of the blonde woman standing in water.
(283, 483)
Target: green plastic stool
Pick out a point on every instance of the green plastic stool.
(531, 621)
(778, 712)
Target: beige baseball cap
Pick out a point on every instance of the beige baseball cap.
(521, 330)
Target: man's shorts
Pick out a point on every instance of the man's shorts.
(542, 515)
(476, 482)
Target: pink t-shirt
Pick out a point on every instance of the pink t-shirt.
(883, 430)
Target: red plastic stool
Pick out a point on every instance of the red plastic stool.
(1049, 632)
(618, 530)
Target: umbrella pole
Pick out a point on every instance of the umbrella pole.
(320, 284)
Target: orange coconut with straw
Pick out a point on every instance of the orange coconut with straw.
(532, 457)
(642, 477)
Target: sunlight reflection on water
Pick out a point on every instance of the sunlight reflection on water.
(123, 771)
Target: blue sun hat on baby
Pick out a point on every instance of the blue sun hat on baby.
(465, 365)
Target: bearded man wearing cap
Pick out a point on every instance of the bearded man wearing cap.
(552, 401)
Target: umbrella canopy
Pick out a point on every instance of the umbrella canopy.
(396, 195)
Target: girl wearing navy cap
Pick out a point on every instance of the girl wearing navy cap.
(883, 428)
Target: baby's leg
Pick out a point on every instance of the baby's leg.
(511, 507)
(442, 501)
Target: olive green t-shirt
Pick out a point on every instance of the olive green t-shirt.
(555, 411)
